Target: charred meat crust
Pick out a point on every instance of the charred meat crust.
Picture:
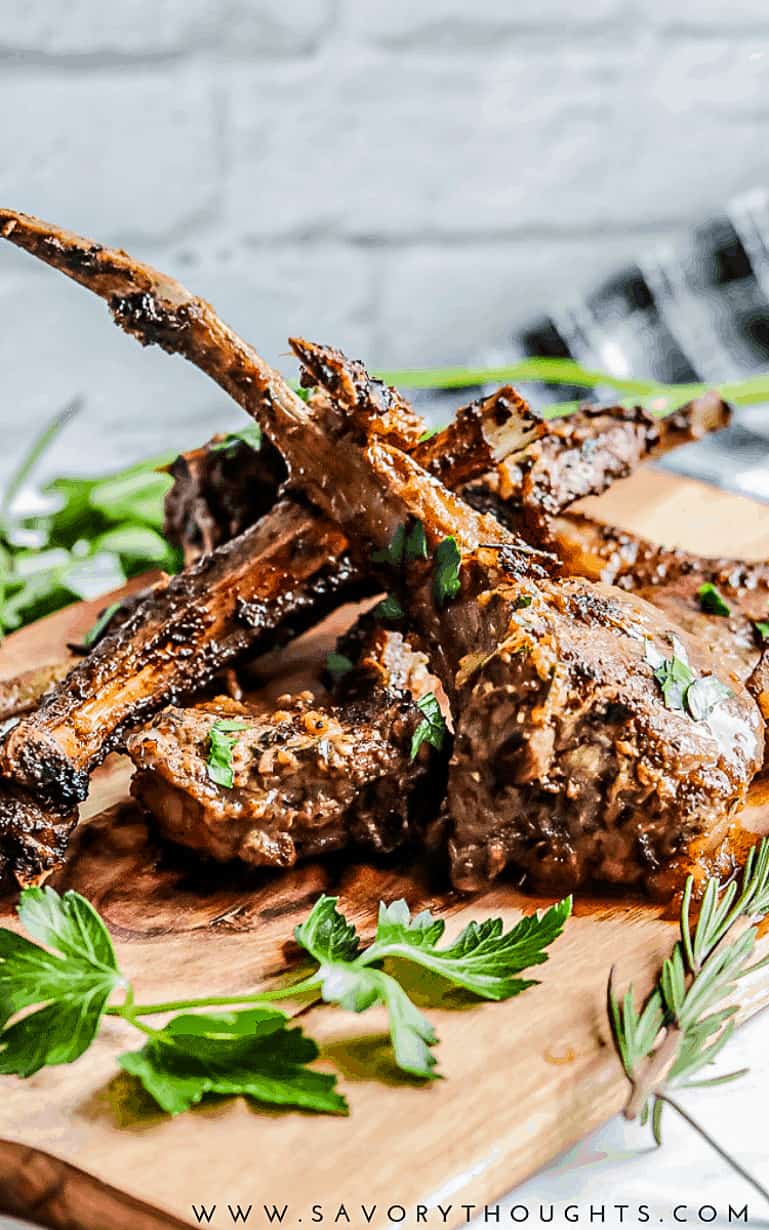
(220, 490)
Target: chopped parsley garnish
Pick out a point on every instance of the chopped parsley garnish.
(681, 688)
(432, 728)
(338, 664)
(394, 553)
(522, 602)
(711, 601)
(446, 583)
(427, 435)
(403, 547)
(222, 739)
(251, 435)
(94, 634)
(416, 543)
(389, 608)
(762, 628)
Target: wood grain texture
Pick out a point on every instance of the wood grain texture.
(81, 1147)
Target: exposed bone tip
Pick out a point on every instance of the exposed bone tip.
(510, 425)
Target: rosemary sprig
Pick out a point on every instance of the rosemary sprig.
(689, 1016)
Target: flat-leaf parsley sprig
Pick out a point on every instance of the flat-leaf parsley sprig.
(689, 1016)
(54, 994)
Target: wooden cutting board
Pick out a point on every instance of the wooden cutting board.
(79, 1146)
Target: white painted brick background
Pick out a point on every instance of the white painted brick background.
(411, 179)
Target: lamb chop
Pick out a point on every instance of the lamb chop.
(718, 780)
(301, 780)
(220, 490)
(261, 588)
(575, 757)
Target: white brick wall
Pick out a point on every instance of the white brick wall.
(411, 180)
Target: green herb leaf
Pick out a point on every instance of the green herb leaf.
(393, 554)
(432, 728)
(704, 694)
(711, 601)
(680, 687)
(403, 547)
(94, 633)
(222, 739)
(249, 1052)
(250, 435)
(427, 435)
(416, 542)
(68, 986)
(762, 628)
(389, 608)
(338, 664)
(326, 934)
(484, 959)
(674, 675)
(446, 582)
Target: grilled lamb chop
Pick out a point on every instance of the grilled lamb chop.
(671, 579)
(219, 491)
(263, 587)
(307, 778)
(584, 453)
(568, 761)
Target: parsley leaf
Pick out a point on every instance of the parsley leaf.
(432, 728)
(394, 553)
(762, 628)
(326, 934)
(94, 633)
(338, 664)
(251, 435)
(680, 687)
(674, 675)
(221, 742)
(250, 1052)
(389, 608)
(416, 542)
(403, 547)
(711, 601)
(446, 583)
(484, 960)
(68, 986)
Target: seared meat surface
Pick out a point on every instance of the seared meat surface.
(219, 491)
(307, 778)
(671, 579)
(550, 683)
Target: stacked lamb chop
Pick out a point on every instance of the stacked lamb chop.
(595, 734)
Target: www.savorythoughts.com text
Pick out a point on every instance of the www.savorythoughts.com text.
(356, 1215)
